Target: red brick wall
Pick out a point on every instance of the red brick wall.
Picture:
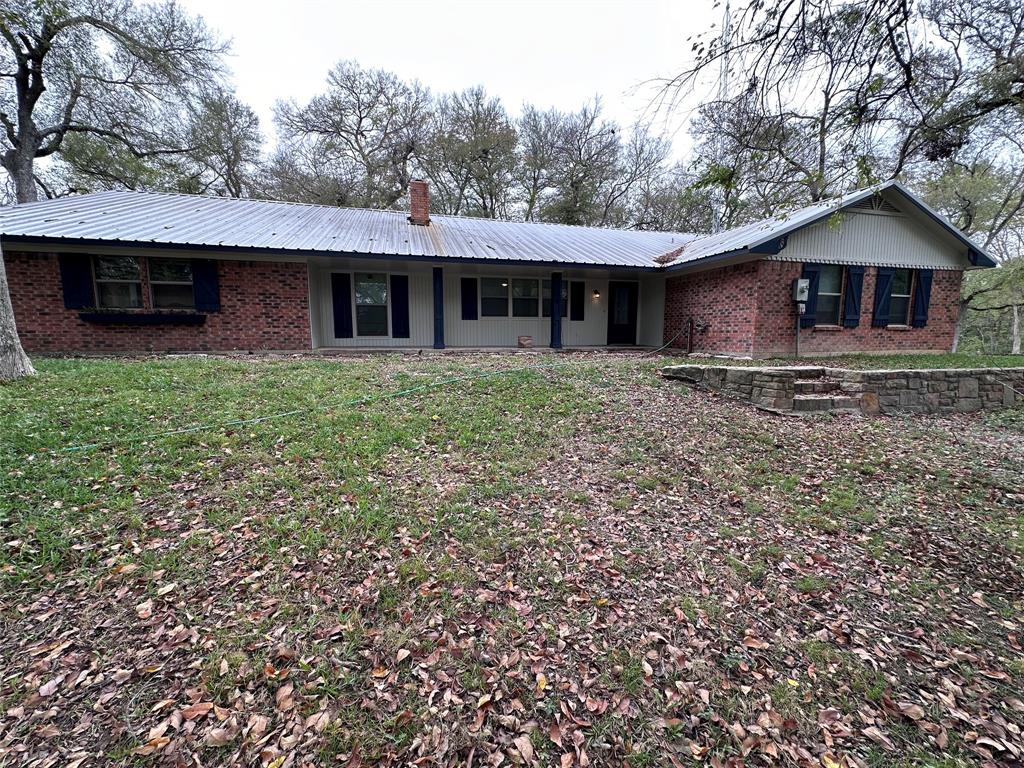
(264, 305)
(721, 301)
(762, 323)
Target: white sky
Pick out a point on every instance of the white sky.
(554, 54)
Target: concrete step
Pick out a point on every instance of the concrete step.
(815, 386)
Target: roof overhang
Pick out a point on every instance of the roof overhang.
(110, 246)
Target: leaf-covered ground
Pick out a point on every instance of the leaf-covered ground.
(571, 565)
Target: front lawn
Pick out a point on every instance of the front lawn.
(278, 563)
(874, 362)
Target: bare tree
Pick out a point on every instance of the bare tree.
(538, 137)
(469, 155)
(100, 67)
(367, 121)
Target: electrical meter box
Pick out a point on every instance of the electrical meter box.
(801, 289)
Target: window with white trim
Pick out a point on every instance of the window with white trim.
(118, 282)
(493, 297)
(371, 300)
(525, 297)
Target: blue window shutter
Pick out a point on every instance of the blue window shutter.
(76, 280)
(577, 300)
(922, 297)
(851, 299)
(205, 285)
(341, 300)
(469, 302)
(400, 306)
(883, 293)
(811, 272)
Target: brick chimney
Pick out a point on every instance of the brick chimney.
(419, 202)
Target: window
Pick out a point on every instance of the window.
(371, 289)
(525, 298)
(493, 297)
(899, 297)
(546, 298)
(830, 295)
(170, 281)
(118, 282)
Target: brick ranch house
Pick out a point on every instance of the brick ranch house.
(129, 272)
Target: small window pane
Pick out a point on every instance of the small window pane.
(546, 300)
(173, 296)
(371, 288)
(525, 294)
(372, 320)
(828, 310)
(170, 271)
(117, 268)
(119, 295)
(899, 307)
(830, 279)
(493, 297)
(901, 282)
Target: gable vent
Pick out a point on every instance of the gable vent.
(875, 203)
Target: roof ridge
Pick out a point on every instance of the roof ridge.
(325, 206)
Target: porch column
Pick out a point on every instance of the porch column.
(438, 308)
(556, 310)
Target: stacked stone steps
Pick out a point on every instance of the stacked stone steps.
(819, 394)
(818, 389)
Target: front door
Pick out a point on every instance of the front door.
(622, 305)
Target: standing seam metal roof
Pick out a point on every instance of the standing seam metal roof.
(216, 222)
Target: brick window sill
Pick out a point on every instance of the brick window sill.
(143, 318)
(827, 328)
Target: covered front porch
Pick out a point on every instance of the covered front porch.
(384, 303)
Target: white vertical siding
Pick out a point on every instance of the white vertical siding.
(421, 304)
(485, 331)
(651, 321)
(875, 239)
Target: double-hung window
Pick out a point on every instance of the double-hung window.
(899, 297)
(830, 295)
(170, 281)
(493, 297)
(525, 298)
(371, 293)
(118, 282)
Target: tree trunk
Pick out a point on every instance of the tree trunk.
(959, 325)
(14, 363)
(18, 164)
(1015, 349)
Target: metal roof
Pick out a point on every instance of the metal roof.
(195, 221)
(122, 217)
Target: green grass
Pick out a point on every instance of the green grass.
(445, 572)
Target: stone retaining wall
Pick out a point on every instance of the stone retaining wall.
(918, 391)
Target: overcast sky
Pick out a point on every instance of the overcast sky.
(557, 53)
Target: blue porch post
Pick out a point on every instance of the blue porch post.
(438, 308)
(556, 310)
